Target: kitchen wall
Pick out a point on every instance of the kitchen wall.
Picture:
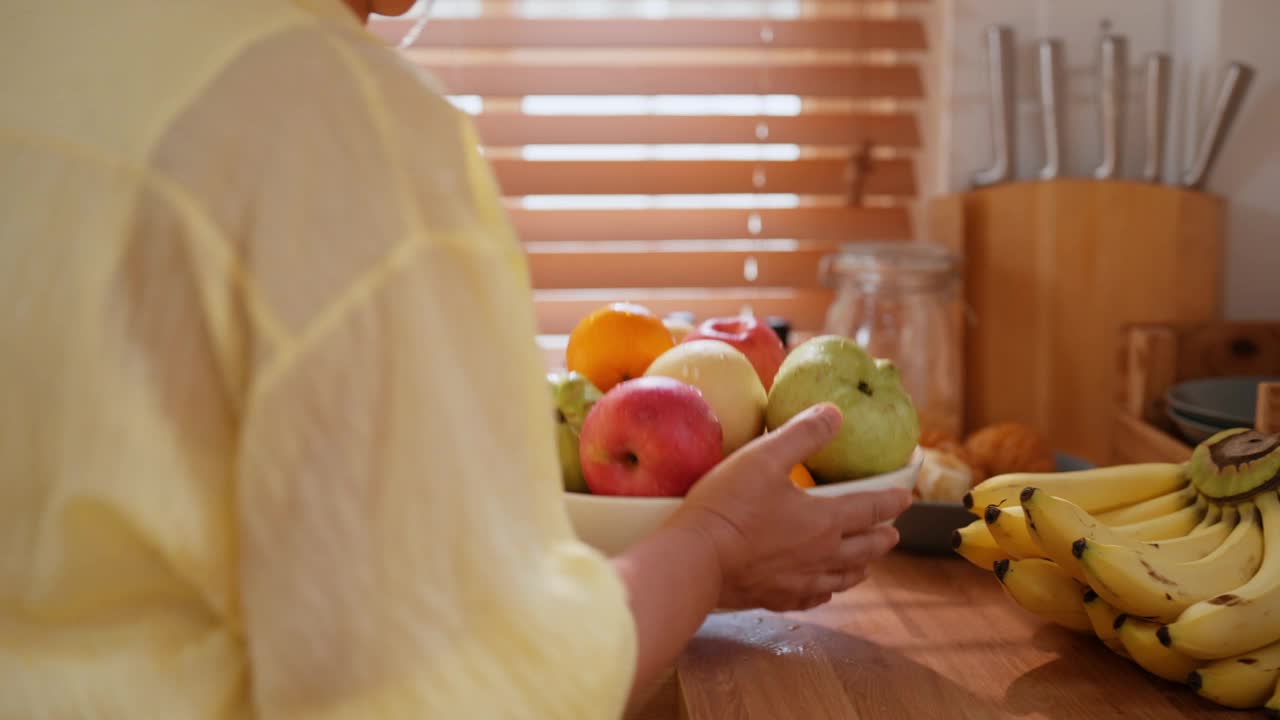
(1202, 36)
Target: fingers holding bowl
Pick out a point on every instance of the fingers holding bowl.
(862, 549)
(859, 512)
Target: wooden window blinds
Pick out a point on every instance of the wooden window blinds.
(687, 155)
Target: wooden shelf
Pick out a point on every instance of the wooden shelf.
(1153, 358)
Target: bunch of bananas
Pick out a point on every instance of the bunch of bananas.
(1175, 566)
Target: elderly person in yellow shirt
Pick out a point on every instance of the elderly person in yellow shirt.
(274, 439)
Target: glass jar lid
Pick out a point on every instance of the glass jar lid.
(905, 266)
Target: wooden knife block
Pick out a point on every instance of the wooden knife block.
(1053, 271)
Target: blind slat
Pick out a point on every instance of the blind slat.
(779, 268)
(489, 78)
(504, 32)
(833, 224)
(559, 311)
(896, 130)
(641, 8)
(692, 177)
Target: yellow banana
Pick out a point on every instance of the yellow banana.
(1242, 618)
(1139, 639)
(1094, 490)
(1212, 516)
(1102, 615)
(1008, 528)
(1245, 681)
(1041, 587)
(1143, 584)
(1173, 525)
(1056, 524)
(1273, 705)
(1148, 509)
(1215, 514)
(974, 543)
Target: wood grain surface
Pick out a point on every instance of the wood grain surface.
(924, 637)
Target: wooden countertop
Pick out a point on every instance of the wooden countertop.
(924, 637)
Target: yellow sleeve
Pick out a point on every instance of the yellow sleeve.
(403, 548)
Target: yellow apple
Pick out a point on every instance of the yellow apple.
(727, 381)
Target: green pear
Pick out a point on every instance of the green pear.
(880, 428)
(573, 395)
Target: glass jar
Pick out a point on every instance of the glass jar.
(897, 300)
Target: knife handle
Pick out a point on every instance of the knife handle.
(1157, 115)
(1000, 69)
(1230, 97)
(1050, 54)
(1115, 66)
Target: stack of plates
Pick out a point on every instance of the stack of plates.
(1202, 408)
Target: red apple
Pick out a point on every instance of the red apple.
(754, 338)
(652, 436)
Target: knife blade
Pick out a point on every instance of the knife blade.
(1050, 53)
(1000, 68)
(1156, 115)
(1114, 68)
(1231, 92)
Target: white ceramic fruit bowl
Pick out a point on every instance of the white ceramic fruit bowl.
(611, 523)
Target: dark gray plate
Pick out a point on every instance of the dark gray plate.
(1223, 401)
(1192, 430)
(926, 527)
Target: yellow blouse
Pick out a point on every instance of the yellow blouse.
(274, 436)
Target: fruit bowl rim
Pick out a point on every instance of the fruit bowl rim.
(825, 490)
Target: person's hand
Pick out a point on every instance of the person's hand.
(777, 546)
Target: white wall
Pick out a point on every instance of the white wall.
(1201, 36)
(1249, 171)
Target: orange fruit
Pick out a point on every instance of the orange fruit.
(800, 476)
(616, 343)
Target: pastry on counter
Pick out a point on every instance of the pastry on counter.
(944, 476)
(946, 442)
(930, 438)
(1009, 447)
